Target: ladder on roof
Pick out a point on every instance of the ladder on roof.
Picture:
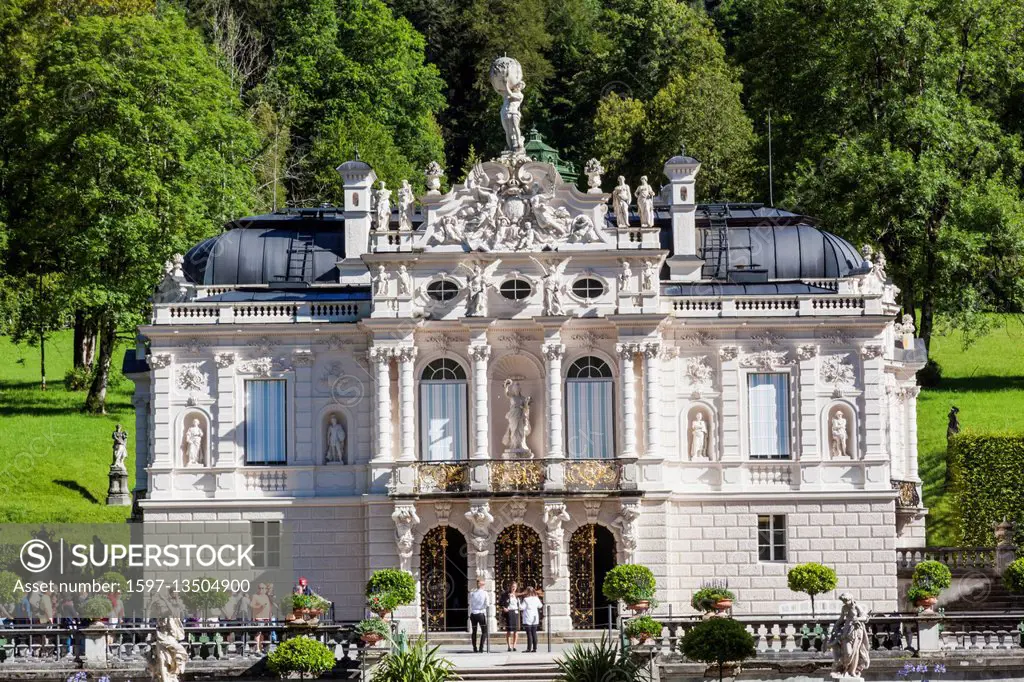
(300, 253)
(716, 243)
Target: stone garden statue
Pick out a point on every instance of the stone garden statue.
(382, 202)
(621, 196)
(850, 640)
(120, 437)
(954, 422)
(507, 81)
(839, 435)
(335, 441)
(167, 656)
(698, 438)
(406, 204)
(194, 443)
(518, 419)
(645, 203)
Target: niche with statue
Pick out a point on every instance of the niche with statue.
(699, 433)
(335, 438)
(840, 430)
(195, 439)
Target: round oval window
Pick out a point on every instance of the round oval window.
(442, 290)
(588, 287)
(515, 289)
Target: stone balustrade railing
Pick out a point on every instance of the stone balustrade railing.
(767, 306)
(964, 558)
(206, 312)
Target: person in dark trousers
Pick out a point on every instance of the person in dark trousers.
(479, 604)
(530, 607)
(510, 607)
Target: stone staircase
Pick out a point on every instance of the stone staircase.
(545, 671)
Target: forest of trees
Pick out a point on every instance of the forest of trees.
(131, 129)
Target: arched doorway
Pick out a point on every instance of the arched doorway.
(518, 556)
(591, 556)
(444, 579)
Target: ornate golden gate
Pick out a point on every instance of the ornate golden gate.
(518, 556)
(591, 555)
(443, 579)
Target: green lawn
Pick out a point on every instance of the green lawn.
(54, 459)
(987, 383)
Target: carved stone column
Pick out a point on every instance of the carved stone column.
(480, 354)
(627, 351)
(652, 367)
(407, 402)
(910, 414)
(381, 359)
(553, 354)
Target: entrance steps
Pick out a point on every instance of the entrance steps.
(511, 672)
(498, 639)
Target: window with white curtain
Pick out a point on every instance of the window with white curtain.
(589, 410)
(444, 433)
(768, 415)
(266, 422)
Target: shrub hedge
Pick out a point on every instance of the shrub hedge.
(986, 473)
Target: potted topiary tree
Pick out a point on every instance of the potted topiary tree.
(372, 630)
(718, 641)
(302, 655)
(389, 588)
(812, 579)
(96, 609)
(633, 584)
(708, 599)
(209, 597)
(642, 628)
(929, 579)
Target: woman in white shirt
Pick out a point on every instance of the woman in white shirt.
(530, 606)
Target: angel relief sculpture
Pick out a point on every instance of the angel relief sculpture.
(554, 286)
(477, 283)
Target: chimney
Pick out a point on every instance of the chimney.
(358, 178)
(681, 171)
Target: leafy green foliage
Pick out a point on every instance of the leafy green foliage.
(309, 601)
(931, 577)
(631, 583)
(119, 582)
(376, 626)
(303, 655)
(986, 474)
(8, 590)
(704, 599)
(392, 587)
(718, 641)
(200, 602)
(812, 579)
(1013, 577)
(417, 663)
(604, 661)
(96, 607)
(642, 627)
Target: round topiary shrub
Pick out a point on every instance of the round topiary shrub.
(389, 588)
(203, 596)
(632, 583)
(718, 641)
(303, 655)
(929, 579)
(812, 579)
(96, 608)
(1013, 578)
(642, 628)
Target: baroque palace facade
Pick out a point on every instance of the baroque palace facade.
(520, 379)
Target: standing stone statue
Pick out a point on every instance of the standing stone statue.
(954, 422)
(117, 491)
(645, 203)
(194, 444)
(120, 437)
(507, 81)
(518, 419)
(621, 196)
(554, 516)
(554, 286)
(625, 277)
(382, 202)
(480, 517)
(476, 288)
(698, 437)
(405, 519)
(380, 281)
(335, 441)
(404, 281)
(839, 435)
(167, 656)
(406, 205)
(849, 640)
(648, 275)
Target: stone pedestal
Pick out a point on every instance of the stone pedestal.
(117, 493)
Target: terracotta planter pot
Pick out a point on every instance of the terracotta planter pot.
(383, 614)
(371, 638)
(639, 606)
(723, 604)
(928, 603)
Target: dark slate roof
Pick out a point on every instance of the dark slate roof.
(793, 252)
(131, 364)
(290, 294)
(731, 289)
(293, 248)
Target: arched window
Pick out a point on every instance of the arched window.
(444, 433)
(589, 410)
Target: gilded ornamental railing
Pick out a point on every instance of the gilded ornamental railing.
(442, 477)
(908, 496)
(517, 475)
(584, 475)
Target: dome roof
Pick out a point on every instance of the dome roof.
(792, 252)
(296, 247)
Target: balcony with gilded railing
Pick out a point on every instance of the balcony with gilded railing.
(523, 476)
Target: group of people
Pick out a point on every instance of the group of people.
(521, 609)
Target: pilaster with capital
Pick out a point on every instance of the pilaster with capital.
(553, 354)
(480, 354)
(652, 367)
(407, 404)
(627, 352)
(380, 357)
(910, 412)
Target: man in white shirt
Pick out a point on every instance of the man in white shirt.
(479, 603)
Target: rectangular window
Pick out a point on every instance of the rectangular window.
(443, 429)
(590, 419)
(768, 403)
(266, 544)
(265, 422)
(771, 538)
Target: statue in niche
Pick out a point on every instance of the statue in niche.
(850, 640)
(406, 205)
(625, 277)
(621, 196)
(404, 281)
(838, 434)
(335, 441)
(518, 417)
(699, 438)
(507, 81)
(382, 205)
(194, 443)
(120, 437)
(645, 203)
(380, 281)
(648, 275)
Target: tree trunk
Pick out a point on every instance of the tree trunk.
(42, 360)
(85, 340)
(96, 401)
(812, 606)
